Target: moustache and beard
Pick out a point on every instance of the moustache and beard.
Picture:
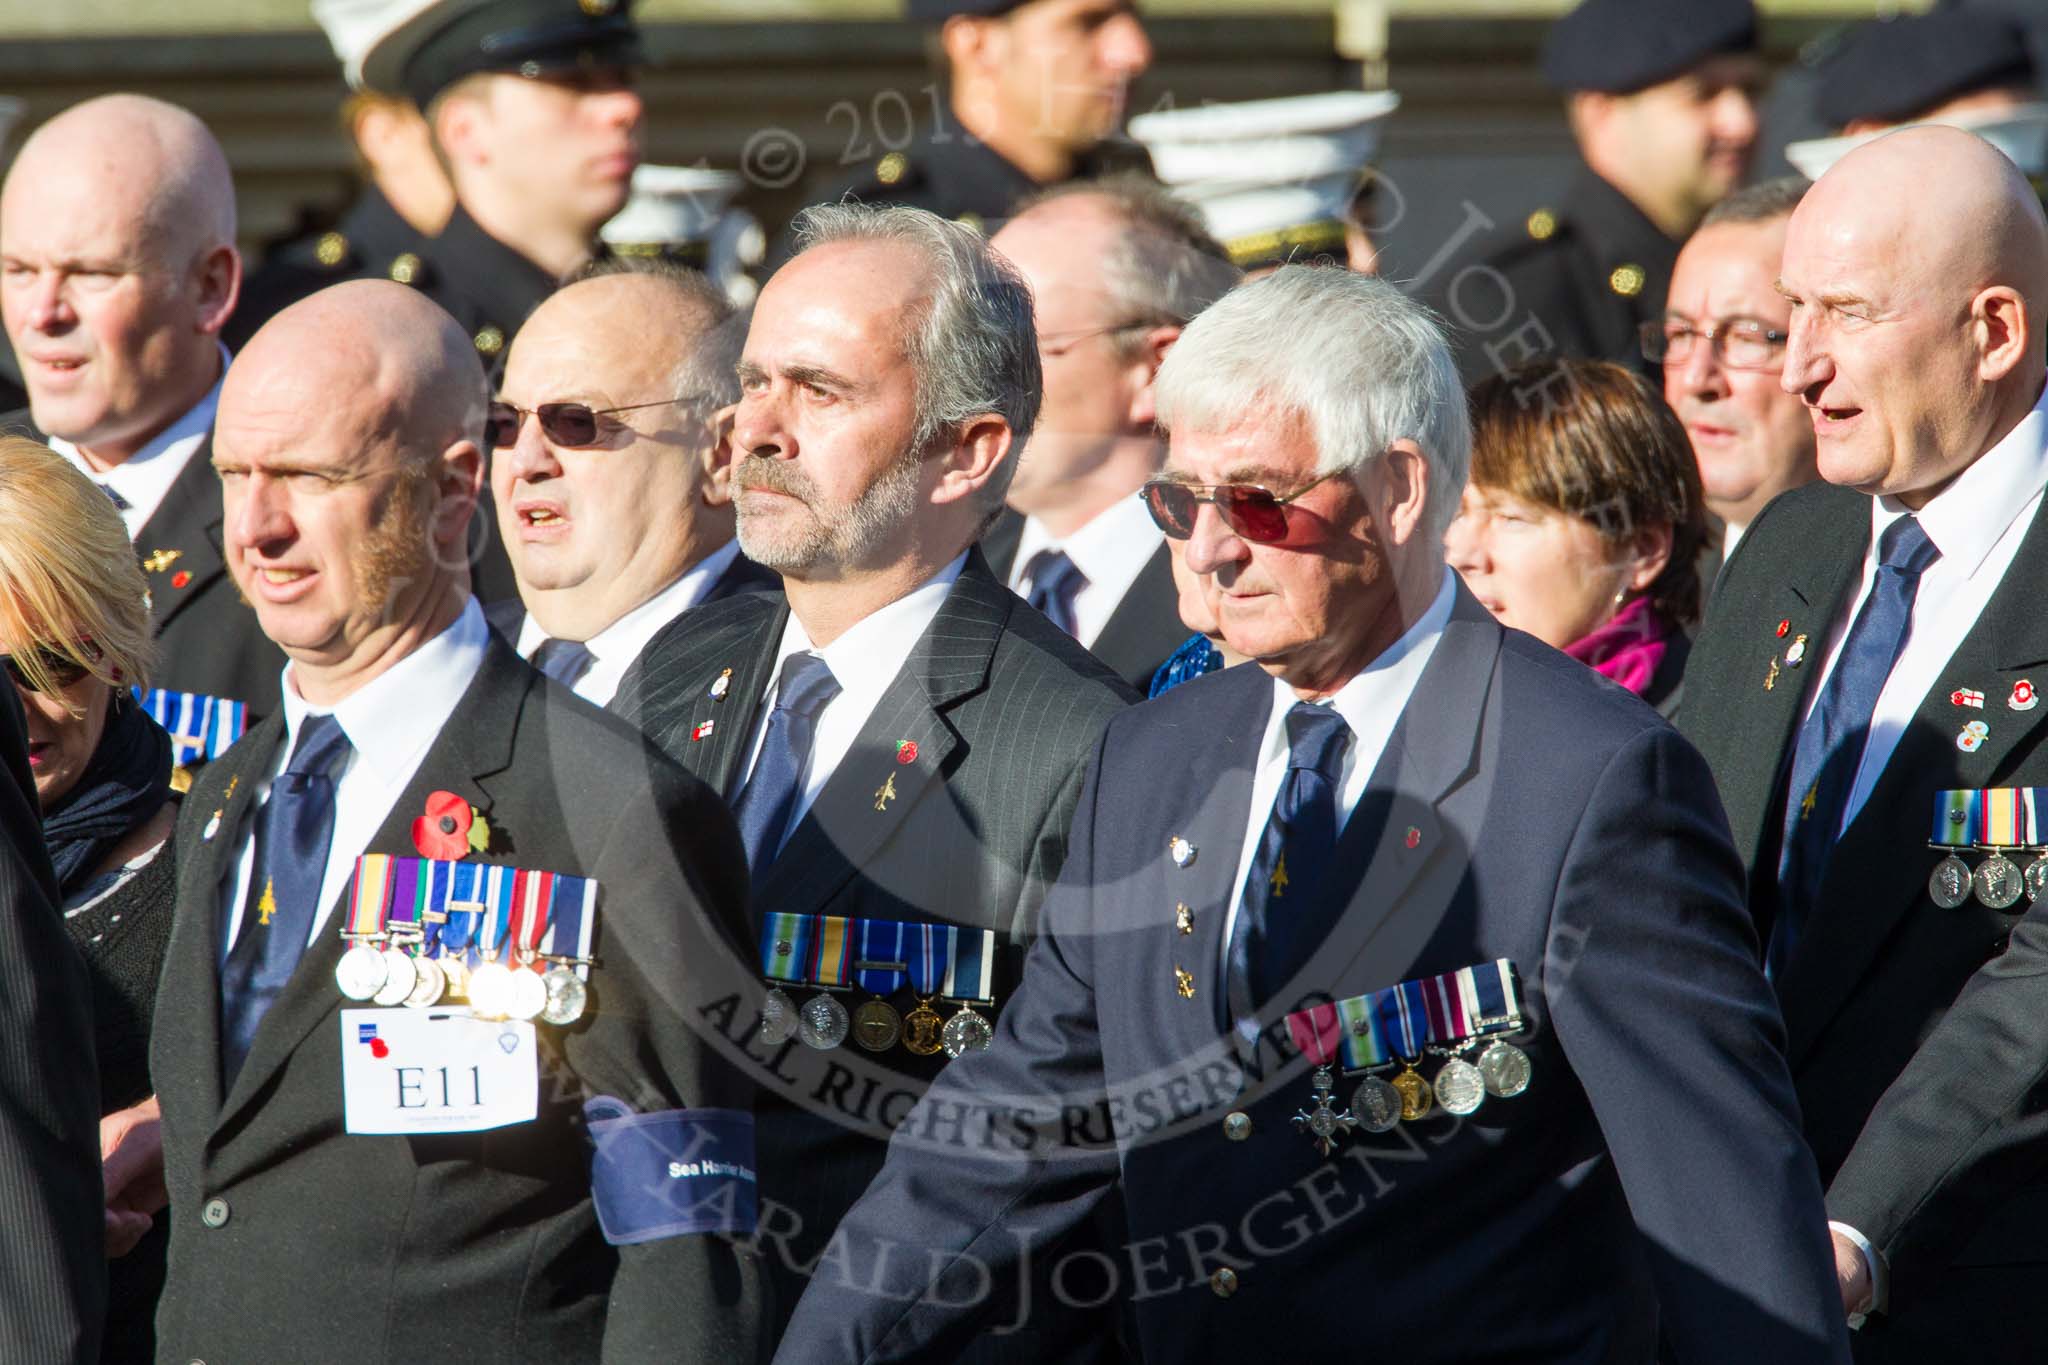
(829, 538)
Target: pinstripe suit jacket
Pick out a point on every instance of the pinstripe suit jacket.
(1004, 709)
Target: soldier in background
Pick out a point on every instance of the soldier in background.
(1661, 95)
(405, 197)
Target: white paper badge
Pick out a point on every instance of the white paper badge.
(436, 1071)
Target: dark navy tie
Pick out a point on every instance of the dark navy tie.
(293, 830)
(566, 661)
(1054, 581)
(806, 688)
(121, 504)
(1831, 741)
(1277, 926)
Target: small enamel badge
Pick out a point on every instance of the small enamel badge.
(1783, 628)
(1973, 736)
(703, 729)
(721, 685)
(885, 793)
(1795, 653)
(1184, 982)
(1966, 696)
(159, 560)
(2024, 697)
(906, 751)
(1181, 851)
(180, 578)
(1771, 675)
(1413, 839)
(1183, 918)
(212, 826)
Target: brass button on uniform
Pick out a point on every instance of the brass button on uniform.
(405, 267)
(890, 168)
(330, 249)
(215, 1213)
(1224, 1282)
(1542, 225)
(1627, 280)
(1237, 1125)
(490, 340)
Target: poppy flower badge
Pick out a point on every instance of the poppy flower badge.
(451, 829)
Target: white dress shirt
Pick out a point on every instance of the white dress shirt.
(865, 660)
(391, 722)
(1977, 523)
(1371, 705)
(1110, 551)
(613, 649)
(144, 478)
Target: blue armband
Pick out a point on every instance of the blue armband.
(672, 1173)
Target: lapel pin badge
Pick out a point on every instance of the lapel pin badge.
(2024, 697)
(1413, 838)
(1966, 696)
(212, 826)
(1184, 982)
(1181, 850)
(1973, 736)
(159, 560)
(1795, 654)
(885, 793)
(721, 685)
(1783, 628)
(1183, 918)
(1771, 674)
(906, 751)
(180, 578)
(702, 730)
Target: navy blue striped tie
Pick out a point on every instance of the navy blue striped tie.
(1054, 581)
(764, 805)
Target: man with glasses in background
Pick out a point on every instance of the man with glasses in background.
(1721, 342)
(610, 479)
(1116, 267)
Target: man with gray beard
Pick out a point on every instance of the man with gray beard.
(901, 737)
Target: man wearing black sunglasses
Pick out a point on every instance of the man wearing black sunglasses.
(1400, 794)
(611, 480)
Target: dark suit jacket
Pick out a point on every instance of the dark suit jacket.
(469, 1245)
(53, 1271)
(1879, 964)
(1525, 809)
(1145, 627)
(208, 640)
(1003, 708)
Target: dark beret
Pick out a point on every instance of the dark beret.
(938, 11)
(1889, 70)
(1621, 46)
(458, 38)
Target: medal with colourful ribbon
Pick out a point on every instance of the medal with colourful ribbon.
(1316, 1032)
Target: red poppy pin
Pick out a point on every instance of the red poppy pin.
(906, 751)
(451, 829)
(180, 578)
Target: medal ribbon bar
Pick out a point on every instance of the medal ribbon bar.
(971, 975)
(1958, 818)
(460, 930)
(833, 960)
(369, 893)
(2002, 817)
(881, 968)
(786, 946)
(931, 956)
(572, 922)
(1316, 1032)
(532, 904)
(1398, 1021)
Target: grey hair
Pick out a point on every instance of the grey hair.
(1363, 363)
(973, 345)
(1759, 203)
(708, 373)
(1163, 267)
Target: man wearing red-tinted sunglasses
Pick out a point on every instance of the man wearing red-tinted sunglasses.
(1305, 900)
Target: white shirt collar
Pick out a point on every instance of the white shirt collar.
(144, 478)
(392, 720)
(869, 655)
(1372, 701)
(1110, 550)
(613, 649)
(1967, 518)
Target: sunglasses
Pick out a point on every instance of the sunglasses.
(1252, 513)
(566, 424)
(59, 668)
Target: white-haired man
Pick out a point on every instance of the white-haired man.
(1417, 848)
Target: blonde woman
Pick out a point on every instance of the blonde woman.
(74, 638)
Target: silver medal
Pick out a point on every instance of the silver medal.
(778, 1016)
(1999, 884)
(431, 985)
(400, 976)
(1459, 1086)
(1376, 1105)
(1949, 885)
(966, 1032)
(567, 996)
(490, 990)
(822, 1023)
(1505, 1069)
(361, 972)
(528, 996)
(2036, 879)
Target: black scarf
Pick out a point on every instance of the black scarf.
(127, 781)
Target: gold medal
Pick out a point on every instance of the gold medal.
(921, 1028)
(877, 1025)
(1416, 1099)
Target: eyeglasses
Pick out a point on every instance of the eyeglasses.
(1057, 344)
(1252, 513)
(1738, 343)
(52, 663)
(566, 424)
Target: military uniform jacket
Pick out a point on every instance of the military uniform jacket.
(208, 639)
(485, 285)
(294, 1240)
(1879, 964)
(1144, 629)
(951, 807)
(1589, 274)
(1524, 808)
(371, 242)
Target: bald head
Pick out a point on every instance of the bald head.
(1916, 314)
(348, 443)
(117, 230)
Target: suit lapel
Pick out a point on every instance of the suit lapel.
(475, 745)
(1865, 892)
(905, 744)
(180, 545)
(1146, 625)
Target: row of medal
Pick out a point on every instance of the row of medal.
(881, 957)
(1449, 1016)
(425, 932)
(199, 726)
(1991, 819)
